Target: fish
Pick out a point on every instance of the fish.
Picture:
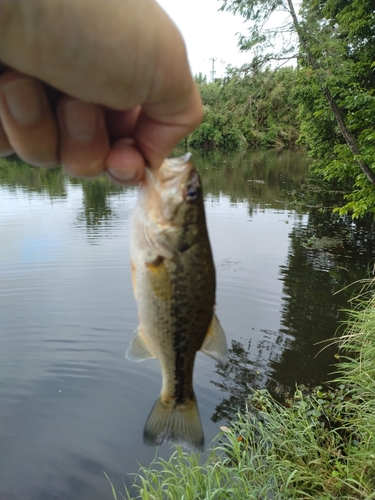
(174, 284)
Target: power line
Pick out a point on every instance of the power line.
(213, 72)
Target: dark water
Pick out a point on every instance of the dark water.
(71, 405)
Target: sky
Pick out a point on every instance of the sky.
(208, 33)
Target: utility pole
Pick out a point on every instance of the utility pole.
(213, 72)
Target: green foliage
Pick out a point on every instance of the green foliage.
(247, 110)
(346, 33)
(335, 42)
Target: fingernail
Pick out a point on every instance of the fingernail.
(126, 141)
(24, 101)
(127, 175)
(81, 120)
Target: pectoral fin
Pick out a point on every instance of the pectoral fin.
(215, 344)
(138, 349)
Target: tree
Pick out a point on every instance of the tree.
(247, 110)
(334, 43)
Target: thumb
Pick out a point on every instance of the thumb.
(158, 131)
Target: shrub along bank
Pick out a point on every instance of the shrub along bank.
(247, 109)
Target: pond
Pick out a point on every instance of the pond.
(71, 405)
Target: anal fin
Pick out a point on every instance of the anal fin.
(215, 343)
(138, 349)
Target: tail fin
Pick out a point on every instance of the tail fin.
(173, 423)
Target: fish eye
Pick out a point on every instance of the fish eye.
(191, 194)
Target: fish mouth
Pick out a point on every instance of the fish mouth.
(179, 161)
(171, 176)
(172, 169)
(163, 190)
(175, 168)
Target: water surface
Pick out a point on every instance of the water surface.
(71, 405)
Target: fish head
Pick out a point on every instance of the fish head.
(172, 194)
(170, 206)
(173, 191)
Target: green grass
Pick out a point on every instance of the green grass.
(319, 445)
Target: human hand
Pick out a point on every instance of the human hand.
(125, 96)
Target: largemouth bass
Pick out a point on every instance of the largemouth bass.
(174, 286)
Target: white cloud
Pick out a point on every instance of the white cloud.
(208, 33)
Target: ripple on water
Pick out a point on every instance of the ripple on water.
(71, 404)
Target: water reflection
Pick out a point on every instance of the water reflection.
(15, 174)
(96, 206)
(263, 179)
(71, 405)
(95, 210)
(327, 255)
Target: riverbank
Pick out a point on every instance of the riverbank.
(319, 445)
